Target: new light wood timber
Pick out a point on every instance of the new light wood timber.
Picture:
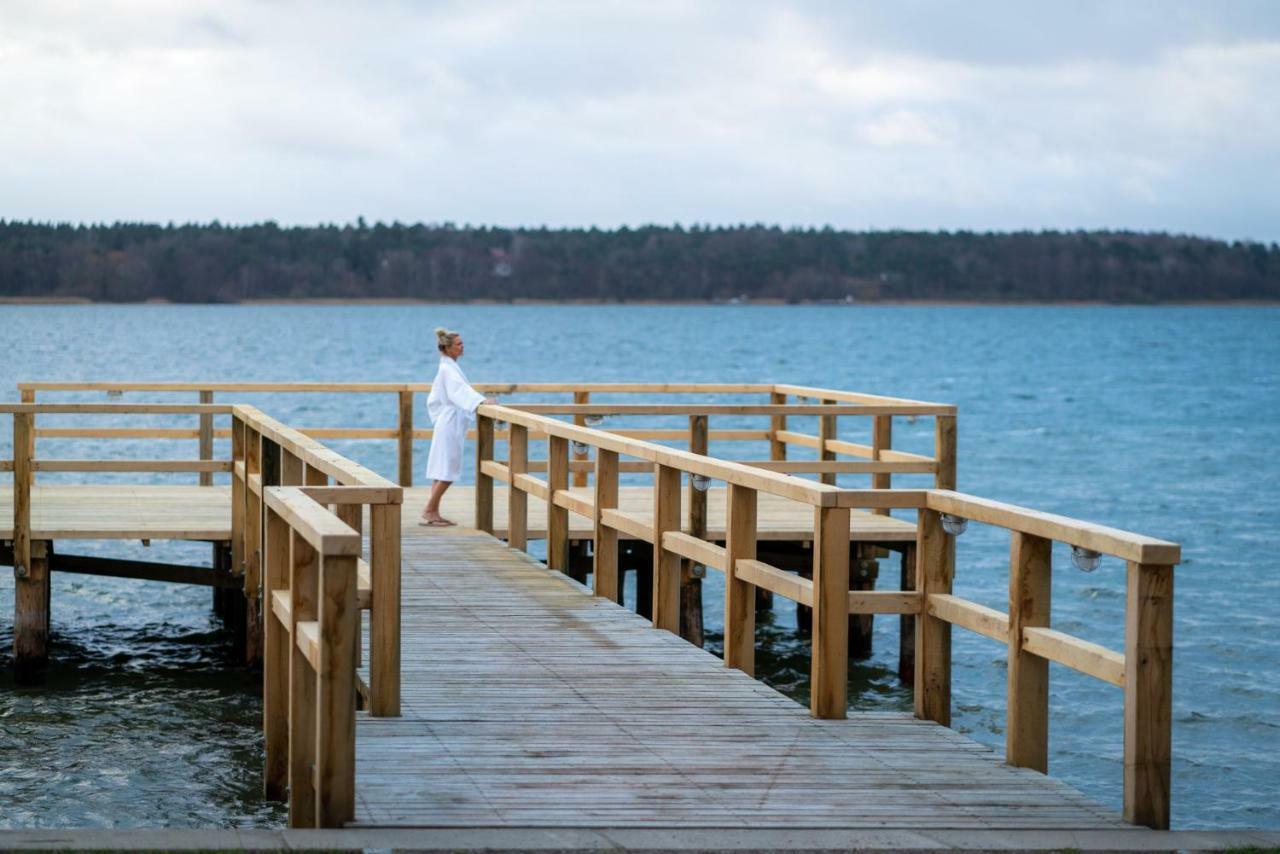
(827, 431)
(133, 465)
(933, 635)
(790, 437)
(694, 549)
(878, 469)
(121, 433)
(777, 425)
(336, 692)
(944, 450)
(1122, 544)
(30, 565)
(277, 629)
(884, 602)
(313, 522)
(350, 433)
(384, 612)
(306, 635)
(821, 409)
(312, 453)
(801, 490)
(518, 499)
(1082, 656)
(889, 498)
(1148, 693)
(881, 440)
(484, 482)
(580, 396)
(532, 485)
(150, 571)
(347, 495)
(788, 585)
(557, 516)
(575, 503)
(628, 523)
(404, 439)
(830, 660)
(678, 435)
(1027, 728)
(28, 396)
(114, 408)
(605, 579)
(496, 470)
(979, 619)
(739, 594)
(304, 590)
(853, 397)
(253, 526)
(364, 585)
(666, 565)
(206, 437)
(312, 476)
(239, 487)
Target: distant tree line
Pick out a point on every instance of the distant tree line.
(128, 262)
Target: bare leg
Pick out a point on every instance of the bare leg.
(431, 513)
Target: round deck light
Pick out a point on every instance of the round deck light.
(954, 525)
(1086, 560)
(579, 448)
(700, 482)
(593, 420)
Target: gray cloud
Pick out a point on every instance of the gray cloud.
(977, 115)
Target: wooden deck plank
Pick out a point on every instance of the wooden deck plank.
(528, 702)
(123, 512)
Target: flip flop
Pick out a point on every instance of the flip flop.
(437, 523)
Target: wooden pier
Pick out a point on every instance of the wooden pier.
(498, 691)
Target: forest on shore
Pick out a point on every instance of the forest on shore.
(134, 262)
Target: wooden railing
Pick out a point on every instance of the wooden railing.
(877, 458)
(267, 453)
(1144, 669)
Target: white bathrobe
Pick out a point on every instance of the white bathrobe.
(452, 408)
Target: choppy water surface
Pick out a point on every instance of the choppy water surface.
(1160, 420)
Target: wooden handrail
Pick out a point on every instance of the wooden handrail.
(309, 669)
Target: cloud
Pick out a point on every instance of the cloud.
(988, 115)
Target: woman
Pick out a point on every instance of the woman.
(452, 408)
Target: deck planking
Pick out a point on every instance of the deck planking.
(529, 703)
(123, 512)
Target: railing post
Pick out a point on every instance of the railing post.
(384, 610)
(666, 566)
(404, 437)
(944, 451)
(275, 661)
(777, 424)
(303, 593)
(739, 596)
(691, 588)
(1027, 730)
(238, 488)
(517, 499)
(830, 661)
(583, 397)
(253, 547)
(30, 565)
(29, 396)
(484, 483)
(557, 516)
(604, 575)
(1148, 693)
(206, 437)
(336, 693)
(933, 636)
(826, 432)
(881, 440)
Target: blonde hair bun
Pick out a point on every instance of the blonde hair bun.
(444, 337)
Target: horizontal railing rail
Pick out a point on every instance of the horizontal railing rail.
(1144, 669)
(829, 405)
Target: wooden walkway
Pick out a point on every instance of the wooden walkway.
(528, 702)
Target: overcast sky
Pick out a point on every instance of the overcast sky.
(1155, 115)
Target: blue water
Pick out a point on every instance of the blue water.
(1163, 421)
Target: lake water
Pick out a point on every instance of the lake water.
(1163, 421)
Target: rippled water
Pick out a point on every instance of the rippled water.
(1160, 420)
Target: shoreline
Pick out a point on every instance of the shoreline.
(921, 303)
